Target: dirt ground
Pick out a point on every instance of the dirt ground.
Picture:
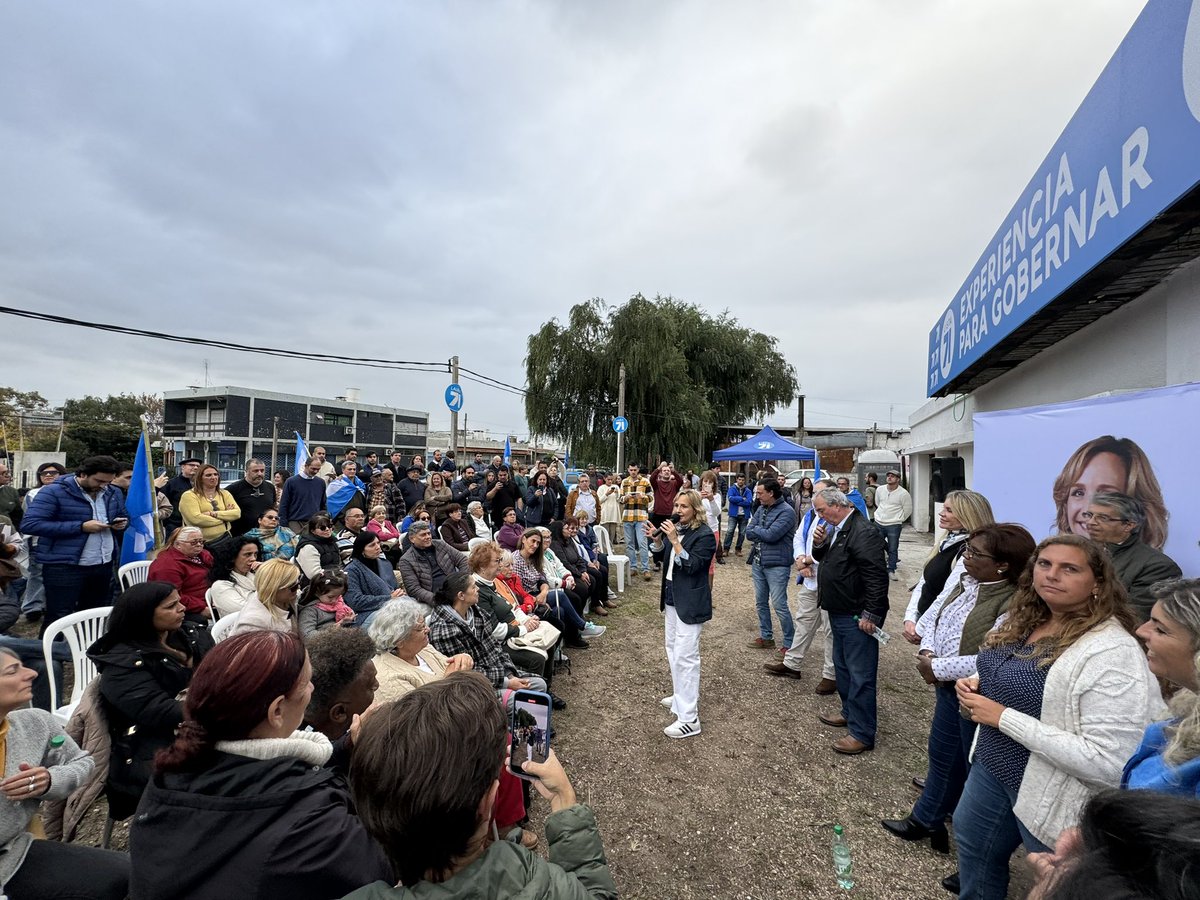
(747, 808)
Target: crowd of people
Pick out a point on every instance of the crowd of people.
(299, 647)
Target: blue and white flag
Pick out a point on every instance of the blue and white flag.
(141, 507)
(301, 454)
(507, 451)
(339, 494)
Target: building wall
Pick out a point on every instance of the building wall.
(1149, 343)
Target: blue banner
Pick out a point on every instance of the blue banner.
(140, 506)
(1130, 151)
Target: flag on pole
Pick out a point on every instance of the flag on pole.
(567, 459)
(816, 466)
(141, 507)
(507, 451)
(301, 454)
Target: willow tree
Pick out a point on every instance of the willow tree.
(686, 372)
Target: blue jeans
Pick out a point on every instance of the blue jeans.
(34, 598)
(30, 652)
(949, 743)
(891, 534)
(635, 542)
(561, 604)
(770, 589)
(739, 525)
(70, 588)
(987, 833)
(855, 664)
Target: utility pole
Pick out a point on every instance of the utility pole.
(800, 419)
(453, 413)
(274, 444)
(621, 413)
(466, 433)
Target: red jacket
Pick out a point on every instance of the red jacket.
(189, 578)
(664, 493)
(513, 583)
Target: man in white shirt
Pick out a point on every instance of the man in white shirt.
(893, 506)
(810, 619)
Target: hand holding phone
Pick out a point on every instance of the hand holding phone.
(551, 782)
(529, 733)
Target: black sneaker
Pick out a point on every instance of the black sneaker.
(578, 644)
(557, 702)
(33, 616)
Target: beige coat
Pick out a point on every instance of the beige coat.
(397, 678)
(89, 729)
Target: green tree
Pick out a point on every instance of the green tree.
(111, 426)
(14, 405)
(686, 372)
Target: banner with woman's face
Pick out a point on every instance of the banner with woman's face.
(1042, 465)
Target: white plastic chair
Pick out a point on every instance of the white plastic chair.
(615, 560)
(475, 542)
(133, 573)
(222, 628)
(80, 630)
(212, 612)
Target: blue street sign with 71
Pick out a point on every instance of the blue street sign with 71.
(620, 424)
(454, 397)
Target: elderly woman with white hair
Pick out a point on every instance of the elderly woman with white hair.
(477, 519)
(406, 660)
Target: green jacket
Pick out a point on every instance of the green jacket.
(1138, 567)
(991, 601)
(577, 869)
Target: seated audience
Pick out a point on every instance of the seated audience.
(389, 535)
(145, 659)
(273, 607)
(477, 520)
(317, 549)
(454, 530)
(276, 540)
(434, 822)
(370, 581)
(1062, 696)
(455, 627)
(405, 660)
(29, 650)
(242, 804)
(530, 564)
(232, 575)
(1116, 521)
(323, 603)
(355, 522)
(437, 496)
(509, 535)
(184, 563)
(427, 563)
(44, 764)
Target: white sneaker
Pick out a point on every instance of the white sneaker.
(593, 631)
(668, 702)
(895, 576)
(682, 729)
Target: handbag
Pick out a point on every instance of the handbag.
(217, 544)
(542, 639)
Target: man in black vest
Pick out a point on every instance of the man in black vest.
(254, 496)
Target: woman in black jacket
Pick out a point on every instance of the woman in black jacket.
(317, 549)
(145, 659)
(241, 804)
(686, 551)
(591, 581)
(541, 501)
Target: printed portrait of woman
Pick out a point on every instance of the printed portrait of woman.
(1108, 463)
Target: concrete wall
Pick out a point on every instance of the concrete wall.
(1152, 342)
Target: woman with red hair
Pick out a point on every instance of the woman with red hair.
(242, 805)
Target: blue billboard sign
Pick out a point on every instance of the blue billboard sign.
(1130, 151)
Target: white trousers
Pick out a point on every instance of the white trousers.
(683, 656)
(810, 621)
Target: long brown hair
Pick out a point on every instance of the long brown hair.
(1140, 482)
(1026, 610)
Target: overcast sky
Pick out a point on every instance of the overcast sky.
(414, 180)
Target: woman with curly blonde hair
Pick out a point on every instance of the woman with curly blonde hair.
(1061, 697)
(1110, 464)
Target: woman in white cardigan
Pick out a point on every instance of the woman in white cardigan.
(1062, 696)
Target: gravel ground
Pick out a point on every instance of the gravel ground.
(747, 808)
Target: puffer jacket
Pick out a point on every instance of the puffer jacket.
(55, 517)
(771, 528)
(138, 686)
(579, 870)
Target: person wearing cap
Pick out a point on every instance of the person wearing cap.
(177, 487)
(381, 492)
(893, 506)
(427, 563)
(412, 489)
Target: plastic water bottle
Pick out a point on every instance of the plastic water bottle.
(842, 863)
(879, 634)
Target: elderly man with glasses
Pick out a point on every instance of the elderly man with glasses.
(1115, 521)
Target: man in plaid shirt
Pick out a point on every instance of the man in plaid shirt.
(635, 501)
(451, 633)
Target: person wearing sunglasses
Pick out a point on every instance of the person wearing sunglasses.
(274, 608)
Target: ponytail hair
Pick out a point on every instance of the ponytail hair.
(230, 693)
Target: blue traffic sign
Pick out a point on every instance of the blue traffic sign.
(454, 397)
(620, 424)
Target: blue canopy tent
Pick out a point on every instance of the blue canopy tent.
(766, 445)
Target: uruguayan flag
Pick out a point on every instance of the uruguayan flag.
(301, 454)
(140, 505)
(340, 492)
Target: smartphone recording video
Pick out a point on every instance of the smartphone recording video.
(529, 731)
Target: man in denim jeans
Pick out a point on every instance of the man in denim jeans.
(635, 512)
(770, 529)
(893, 506)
